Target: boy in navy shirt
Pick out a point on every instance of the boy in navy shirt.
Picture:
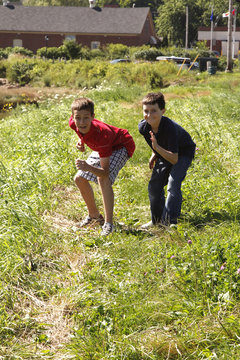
(172, 153)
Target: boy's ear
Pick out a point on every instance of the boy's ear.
(163, 110)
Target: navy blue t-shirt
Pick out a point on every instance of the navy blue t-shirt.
(170, 136)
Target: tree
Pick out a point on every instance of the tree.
(171, 22)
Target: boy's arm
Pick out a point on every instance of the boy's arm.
(99, 172)
(80, 145)
(152, 160)
(167, 155)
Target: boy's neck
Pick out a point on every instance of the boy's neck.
(156, 127)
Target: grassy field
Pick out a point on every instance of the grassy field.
(67, 293)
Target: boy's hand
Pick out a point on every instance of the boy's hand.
(80, 146)
(82, 165)
(152, 161)
(153, 140)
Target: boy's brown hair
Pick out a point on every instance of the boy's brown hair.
(83, 103)
(154, 98)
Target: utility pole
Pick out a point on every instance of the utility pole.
(234, 32)
(186, 39)
(229, 39)
(211, 40)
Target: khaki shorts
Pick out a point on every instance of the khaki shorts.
(117, 160)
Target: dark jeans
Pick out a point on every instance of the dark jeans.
(167, 212)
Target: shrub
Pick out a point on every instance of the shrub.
(22, 51)
(222, 63)
(147, 74)
(47, 81)
(119, 72)
(147, 54)
(72, 49)
(3, 70)
(3, 54)
(116, 51)
(96, 54)
(85, 53)
(19, 72)
(98, 69)
(50, 52)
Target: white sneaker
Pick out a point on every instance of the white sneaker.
(147, 225)
(107, 229)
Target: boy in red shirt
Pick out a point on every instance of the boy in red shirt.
(112, 147)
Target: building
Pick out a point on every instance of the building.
(35, 27)
(219, 39)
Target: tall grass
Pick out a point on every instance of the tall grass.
(69, 294)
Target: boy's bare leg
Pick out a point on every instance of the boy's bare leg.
(108, 198)
(88, 195)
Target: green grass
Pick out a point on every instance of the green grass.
(68, 293)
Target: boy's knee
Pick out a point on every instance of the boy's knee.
(79, 179)
(174, 185)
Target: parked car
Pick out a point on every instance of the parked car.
(180, 61)
(115, 61)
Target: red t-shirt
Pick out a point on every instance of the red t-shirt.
(105, 138)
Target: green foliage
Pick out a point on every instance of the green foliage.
(20, 72)
(3, 54)
(22, 51)
(222, 63)
(117, 51)
(51, 52)
(169, 26)
(72, 49)
(87, 54)
(149, 54)
(87, 73)
(171, 19)
(3, 69)
(164, 294)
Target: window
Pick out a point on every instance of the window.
(17, 42)
(70, 37)
(95, 45)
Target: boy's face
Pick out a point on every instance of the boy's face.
(83, 120)
(152, 114)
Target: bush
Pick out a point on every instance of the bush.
(116, 51)
(96, 54)
(147, 74)
(50, 52)
(222, 63)
(22, 51)
(47, 81)
(72, 49)
(119, 72)
(3, 54)
(85, 53)
(3, 70)
(98, 70)
(20, 72)
(147, 54)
